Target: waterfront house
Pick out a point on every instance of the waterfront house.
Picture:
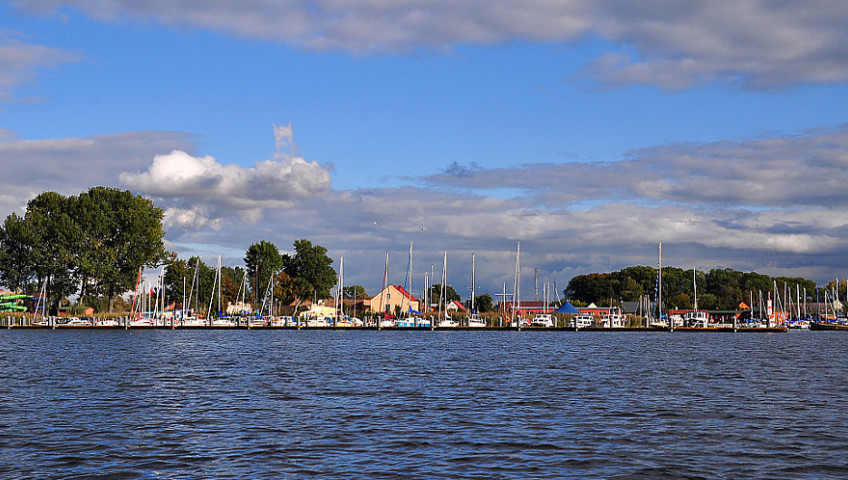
(391, 299)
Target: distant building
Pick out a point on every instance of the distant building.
(524, 307)
(455, 306)
(239, 308)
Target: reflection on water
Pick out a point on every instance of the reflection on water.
(396, 404)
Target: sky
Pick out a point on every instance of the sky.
(587, 130)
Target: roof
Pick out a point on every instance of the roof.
(567, 307)
(405, 293)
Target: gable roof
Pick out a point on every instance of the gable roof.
(405, 293)
(567, 307)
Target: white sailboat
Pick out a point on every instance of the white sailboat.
(696, 318)
(220, 320)
(445, 321)
(383, 321)
(474, 321)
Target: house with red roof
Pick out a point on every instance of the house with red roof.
(392, 299)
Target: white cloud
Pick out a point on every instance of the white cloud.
(224, 190)
(758, 43)
(193, 218)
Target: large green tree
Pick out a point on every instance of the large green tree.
(311, 269)
(262, 260)
(17, 242)
(57, 247)
(121, 233)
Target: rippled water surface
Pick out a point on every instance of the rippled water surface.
(420, 404)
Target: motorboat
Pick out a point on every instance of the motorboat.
(582, 321)
(614, 319)
(447, 323)
(542, 320)
(476, 321)
(697, 319)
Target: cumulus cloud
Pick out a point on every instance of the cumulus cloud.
(217, 191)
(19, 61)
(757, 43)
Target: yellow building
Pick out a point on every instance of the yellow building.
(392, 299)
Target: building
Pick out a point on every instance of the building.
(524, 307)
(392, 299)
(455, 306)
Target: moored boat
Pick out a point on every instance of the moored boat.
(827, 326)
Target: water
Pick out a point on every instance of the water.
(85, 404)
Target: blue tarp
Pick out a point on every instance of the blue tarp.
(567, 307)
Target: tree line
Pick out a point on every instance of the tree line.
(93, 245)
(292, 279)
(717, 289)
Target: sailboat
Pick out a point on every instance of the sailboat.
(447, 321)
(220, 320)
(406, 318)
(696, 318)
(384, 321)
(474, 321)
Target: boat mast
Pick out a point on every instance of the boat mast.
(383, 289)
(340, 292)
(695, 290)
(473, 279)
(659, 293)
(407, 285)
(443, 290)
(516, 288)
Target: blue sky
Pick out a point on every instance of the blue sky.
(589, 131)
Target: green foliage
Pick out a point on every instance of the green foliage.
(718, 289)
(17, 242)
(262, 260)
(436, 293)
(118, 233)
(484, 303)
(310, 269)
(355, 292)
(96, 240)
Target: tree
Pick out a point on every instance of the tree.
(199, 280)
(231, 285)
(17, 241)
(177, 279)
(436, 293)
(311, 269)
(57, 245)
(287, 289)
(630, 290)
(595, 287)
(484, 303)
(121, 232)
(356, 292)
(262, 260)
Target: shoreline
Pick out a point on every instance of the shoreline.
(441, 329)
